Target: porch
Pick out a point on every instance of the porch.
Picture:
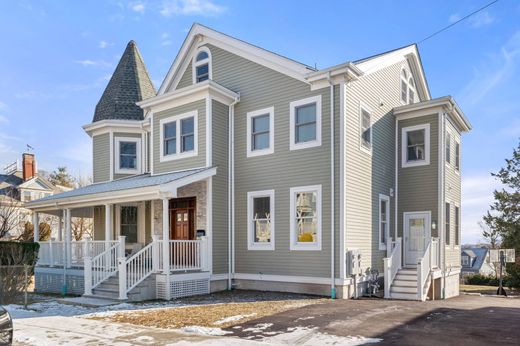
(142, 247)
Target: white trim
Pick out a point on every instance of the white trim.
(363, 107)
(141, 229)
(401, 80)
(382, 197)
(456, 225)
(209, 132)
(114, 125)
(404, 146)
(295, 245)
(250, 115)
(195, 63)
(446, 202)
(292, 123)
(209, 220)
(151, 144)
(342, 196)
(456, 165)
(111, 139)
(138, 154)
(427, 226)
(291, 279)
(178, 155)
(251, 244)
(449, 136)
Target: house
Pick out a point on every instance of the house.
(20, 185)
(476, 261)
(247, 169)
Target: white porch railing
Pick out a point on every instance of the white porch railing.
(392, 264)
(424, 266)
(185, 255)
(53, 253)
(436, 253)
(102, 266)
(136, 268)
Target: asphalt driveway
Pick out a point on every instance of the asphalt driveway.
(464, 320)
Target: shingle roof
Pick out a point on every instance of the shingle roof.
(480, 254)
(129, 84)
(10, 180)
(142, 180)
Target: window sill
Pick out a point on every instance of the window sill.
(382, 247)
(173, 157)
(305, 145)
(414, 164)
(260, 247)
(261, 152)
(127, 171)
(305, 247)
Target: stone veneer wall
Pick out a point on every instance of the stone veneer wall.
(198, 190)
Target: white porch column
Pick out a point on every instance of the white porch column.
(60, 228)
(166, 236)
(68, 246)
(108, 222)
(36, 227)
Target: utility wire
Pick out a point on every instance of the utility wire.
(458, 21)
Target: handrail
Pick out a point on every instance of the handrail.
(185, 255)
(103, 265)
(435, 252)
(423, 271)
(392, 264)
(139, 266)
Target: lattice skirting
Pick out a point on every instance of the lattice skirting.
(51, 281)
(182, 285)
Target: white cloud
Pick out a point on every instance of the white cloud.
(493, 72)
(481, 19)
(104, 44)
(88, 62)
(191, 7)
(477, 196)
(3, 119)
(165, 39)
(137, 6)
(454, 17)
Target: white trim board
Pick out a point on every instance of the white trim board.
(250, 115)
(251, 244)
(292, 123)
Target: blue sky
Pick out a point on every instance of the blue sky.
(57, 56)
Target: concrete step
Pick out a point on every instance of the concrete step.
(406, 283)
(403, 296)
(403, 289)
(406, 277)
(407, 271)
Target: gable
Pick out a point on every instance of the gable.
(200, 35)
(36, 184)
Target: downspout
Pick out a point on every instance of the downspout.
(332, 193)
(442, 202)
(231, 193)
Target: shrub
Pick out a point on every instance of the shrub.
(18, 253)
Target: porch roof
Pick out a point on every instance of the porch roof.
(138, 187)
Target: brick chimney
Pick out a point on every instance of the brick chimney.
(28, 166)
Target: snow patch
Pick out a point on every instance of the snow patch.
(205, 330)
(258, 328)
(235, 318)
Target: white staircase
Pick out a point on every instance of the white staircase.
(109, 289)
(409, 282)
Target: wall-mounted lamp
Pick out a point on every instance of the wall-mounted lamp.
(434, 225)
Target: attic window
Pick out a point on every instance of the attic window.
(407, 87)
(202, 65)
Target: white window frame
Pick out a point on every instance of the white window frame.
(136, 140)
(411, 88)
(448, 241)
(295, 245)
(251, 244)
(362, 108)
(457, 158)
(447, 143)
(249, 137)
(456, 225)
(382, 197)
(465, 261)
(195, 64)
(405, 80)
(292, 106)
(178, 155)
(404, 146)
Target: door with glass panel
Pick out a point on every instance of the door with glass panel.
(416, 234)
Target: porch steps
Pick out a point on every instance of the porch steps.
(404, 286)
(109, 289)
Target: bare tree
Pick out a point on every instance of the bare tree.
(11, 214)
(81, 226)
(492, 236)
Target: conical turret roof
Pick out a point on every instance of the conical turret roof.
(129, 84)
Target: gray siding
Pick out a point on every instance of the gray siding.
(220, 125)
(452, 190)
(259, 88)
(187, 78)
(185, 163)
(419, 186)
(368, 175)
(131, 135)
(101, 157)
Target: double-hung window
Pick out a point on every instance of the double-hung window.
(457, 156)
(365, 130)
(305, 213)
(305, 123)
(202, 65)
(128, 155)
(465, 261)
(448, 147)
(128, 219)
(457, 225)
(384, 220)
(260, 132)
(415, 142)
(260, 220)
(448, 224)
(178, 136)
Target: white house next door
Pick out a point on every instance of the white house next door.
(416, 233)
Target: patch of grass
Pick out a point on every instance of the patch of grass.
(219, 315)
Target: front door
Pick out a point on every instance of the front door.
(416, 233)
(182, 223)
